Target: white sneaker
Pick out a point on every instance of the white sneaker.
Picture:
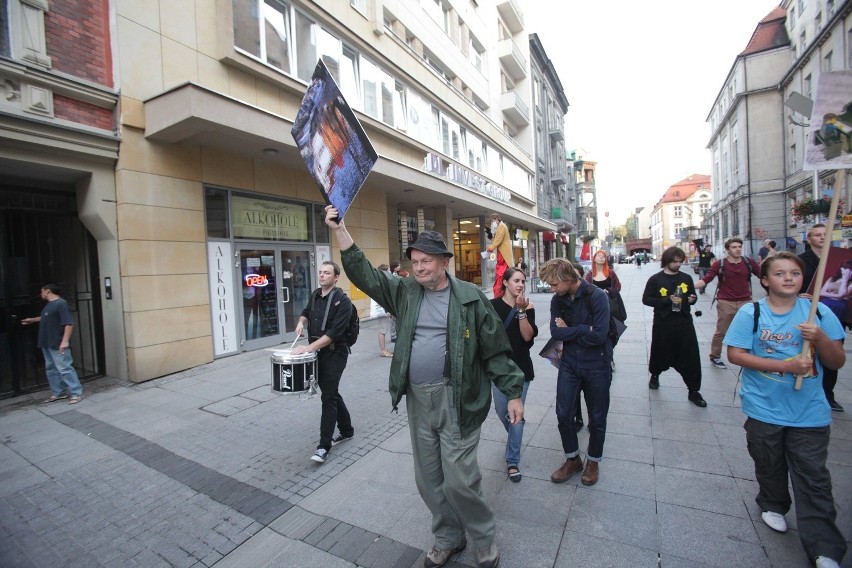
(826, 562)
(774, 521)
(319, 455)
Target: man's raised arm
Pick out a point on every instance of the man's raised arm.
(335, 223)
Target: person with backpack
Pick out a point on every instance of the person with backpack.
(705, 259)
(580, 318)
(732, 292)
(329, 316)
(787, 430)
(450, 347)
(673, 340)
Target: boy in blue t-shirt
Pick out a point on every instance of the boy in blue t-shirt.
(788, 430)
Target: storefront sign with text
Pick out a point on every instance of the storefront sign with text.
(220, 273)
(254, 218)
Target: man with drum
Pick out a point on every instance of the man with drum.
(329, 343)
(450, 346)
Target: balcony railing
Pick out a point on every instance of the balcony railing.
(556, 129)
(512, 58)
(514, 109)
(511, 14)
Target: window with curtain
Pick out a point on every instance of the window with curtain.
(369, 86)
(276, 34)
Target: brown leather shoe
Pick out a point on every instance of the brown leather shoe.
(591, 473)
(569, 468)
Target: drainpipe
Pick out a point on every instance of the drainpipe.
(748, 159)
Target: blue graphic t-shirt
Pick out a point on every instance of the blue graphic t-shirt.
(770, 397)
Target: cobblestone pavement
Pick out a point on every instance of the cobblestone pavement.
(209, 467)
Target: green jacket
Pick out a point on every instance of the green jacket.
(479, 346)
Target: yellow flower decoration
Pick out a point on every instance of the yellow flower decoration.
(683, 287)
(467, 333)
(664, 292)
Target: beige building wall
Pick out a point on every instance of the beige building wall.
(171, 49)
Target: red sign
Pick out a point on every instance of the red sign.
(256, 280)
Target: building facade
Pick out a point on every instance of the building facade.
(677, 218)
(746, 143)
(59, 145)
(204, 228)
(552, 177)
(759, 132)
(820, 41)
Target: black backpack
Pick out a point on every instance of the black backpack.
(613, 333)
(354, 327)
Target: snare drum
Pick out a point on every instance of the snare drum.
(292, 373)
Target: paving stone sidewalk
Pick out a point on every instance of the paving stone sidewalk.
(209, 467)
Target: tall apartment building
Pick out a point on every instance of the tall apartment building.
(758, 141)
(677, 217)
(209, 229)
(552, 177)
(58, 150)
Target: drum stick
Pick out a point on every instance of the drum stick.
(295, 340)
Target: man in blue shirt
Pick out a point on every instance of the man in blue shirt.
(54, 336)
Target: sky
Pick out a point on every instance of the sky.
(641, 79)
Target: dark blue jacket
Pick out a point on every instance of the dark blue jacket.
(585, 343)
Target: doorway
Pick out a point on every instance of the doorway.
(41, 241)
(275, 285)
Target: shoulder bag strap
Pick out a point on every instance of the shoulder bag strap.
(508, 320)
(327, 308)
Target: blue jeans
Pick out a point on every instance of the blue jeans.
(516, 431)
(61, 375)
(595, 383)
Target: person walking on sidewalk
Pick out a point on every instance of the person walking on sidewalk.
(327, 316)
(673, 341)
(54, 336)
(732, 292)
(502, 243)
(516, 309)
(705, 258)
(816, 240)
(787, 430)
(386, 321)
(450, 346)
(579, 317)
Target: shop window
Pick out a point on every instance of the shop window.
(216, 212)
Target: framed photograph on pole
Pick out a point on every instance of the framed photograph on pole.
(336, 150)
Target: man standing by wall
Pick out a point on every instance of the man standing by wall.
(733, 291)
(816, 240)
(54, 336)
(329, 343)
(450, 341)
(502, 243)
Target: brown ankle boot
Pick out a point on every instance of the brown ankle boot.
(569, 468)
(591, 473)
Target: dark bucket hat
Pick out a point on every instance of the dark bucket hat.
(430, 242)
